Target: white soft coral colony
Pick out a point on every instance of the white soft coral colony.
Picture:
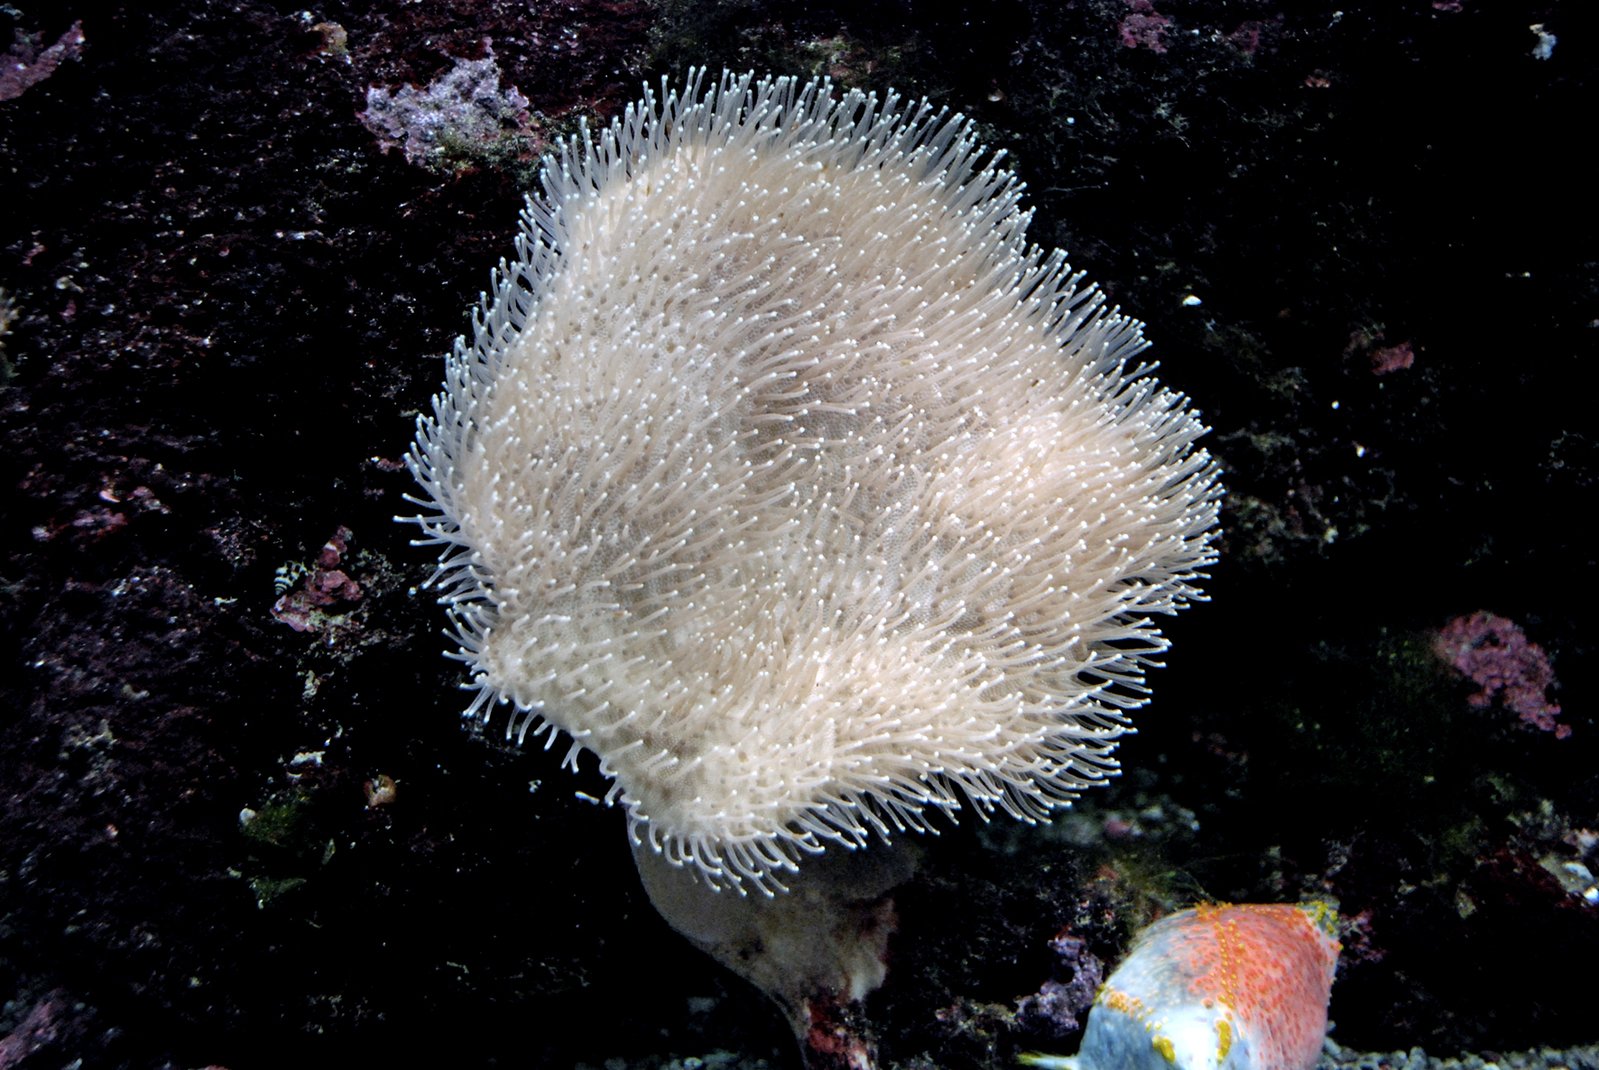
(784, 476)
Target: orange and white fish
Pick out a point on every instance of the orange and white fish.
(1219, 987)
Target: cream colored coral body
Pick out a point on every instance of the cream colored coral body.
(783, 476)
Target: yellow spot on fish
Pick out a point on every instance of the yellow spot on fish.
(1166, 1049)
(1224, 1039)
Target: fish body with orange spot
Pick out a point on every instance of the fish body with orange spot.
(1219, 987)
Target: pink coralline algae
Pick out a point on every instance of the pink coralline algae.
(1144, 27)
(1057, 1006)
(305, 606)
(25, 64)
(37, 1032)
(1497, 656)
(1392, 358)
(465, 107)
